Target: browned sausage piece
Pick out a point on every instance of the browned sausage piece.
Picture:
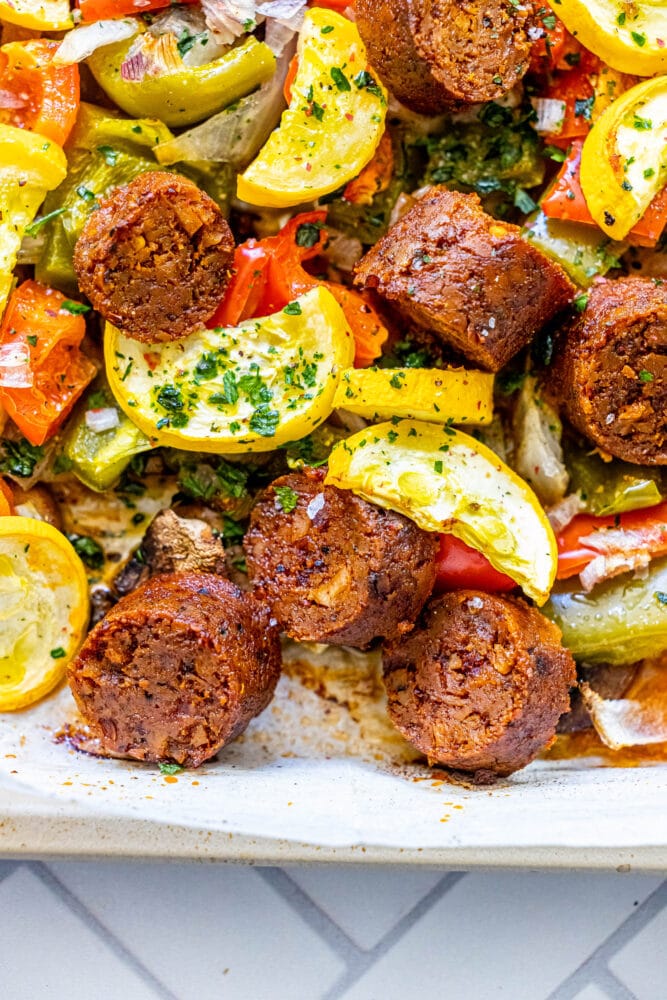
(177, 670)
(335, 568)
(155, 258)
(480, 683)
(437, 54)
(456, 271)
(612, 370)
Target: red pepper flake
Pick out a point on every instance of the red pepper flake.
(152, 359)
(661, 43)
(309, 167)
(349, 116)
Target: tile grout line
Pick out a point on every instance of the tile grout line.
(612, 985)
(597, 963)
(365, 960)
(310, 912)
(44, 873)
(7, 868)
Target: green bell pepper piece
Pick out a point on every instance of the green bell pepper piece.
(99, 459)
(608, 488)
(103, 151)
(621, 621)
(188, 94)
(583, 251)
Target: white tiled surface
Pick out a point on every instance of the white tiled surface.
(209, 932)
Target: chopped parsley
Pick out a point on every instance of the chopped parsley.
(340, 79)
(286, 498)
(88, 550)
(169, 769)
(75, 308)
(20, 457)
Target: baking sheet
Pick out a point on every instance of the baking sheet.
(323, 768)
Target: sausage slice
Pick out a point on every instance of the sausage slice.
(334, 568)
(612, 370)
(456, 271)
(480, 683)
(155, 258)
(177, 669)
(439, 54)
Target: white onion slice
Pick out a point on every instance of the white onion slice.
(15, 372)
(80, 43)
(104, 419)
(236, 135)
(550, 114)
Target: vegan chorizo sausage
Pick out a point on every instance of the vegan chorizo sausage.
(177, 669)
(438, 54)
(612, 370)
(334, 568)
(154, 259)
(480, 683)
(456, 271)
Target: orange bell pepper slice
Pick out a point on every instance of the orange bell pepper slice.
(565, 200)
(42, 370)
(269, 273)
(38, 96)
(6, 499)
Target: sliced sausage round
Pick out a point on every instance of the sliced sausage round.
(612, 370)
(459, 273)
(334, 568)
(480, 684)
(177, 669)
(439, 54)
(155, 258)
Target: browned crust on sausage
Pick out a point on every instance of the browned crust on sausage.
(457, 272)
(435, 55)
(612, 370)
(480, 683)
(337, 569)
(155, 258)
(177, 669)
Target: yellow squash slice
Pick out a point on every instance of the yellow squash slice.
(30, 165)
(624, 159)
(446, 481)
(452, 396)
(39, 15)
(333, 125)
(629, 35)
(43, 609)
(254, 387)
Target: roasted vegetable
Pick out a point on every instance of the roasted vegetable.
(182, 95)
(44, 371)
(613, 487)
(30, 165)
(440, 397)
(44, 609)
(630, 37)
(446, 481)
(624, 159)
(621, 621)
(333, 125)
(99, 457)
(498, 155)
(583, 251)
(249, 388)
